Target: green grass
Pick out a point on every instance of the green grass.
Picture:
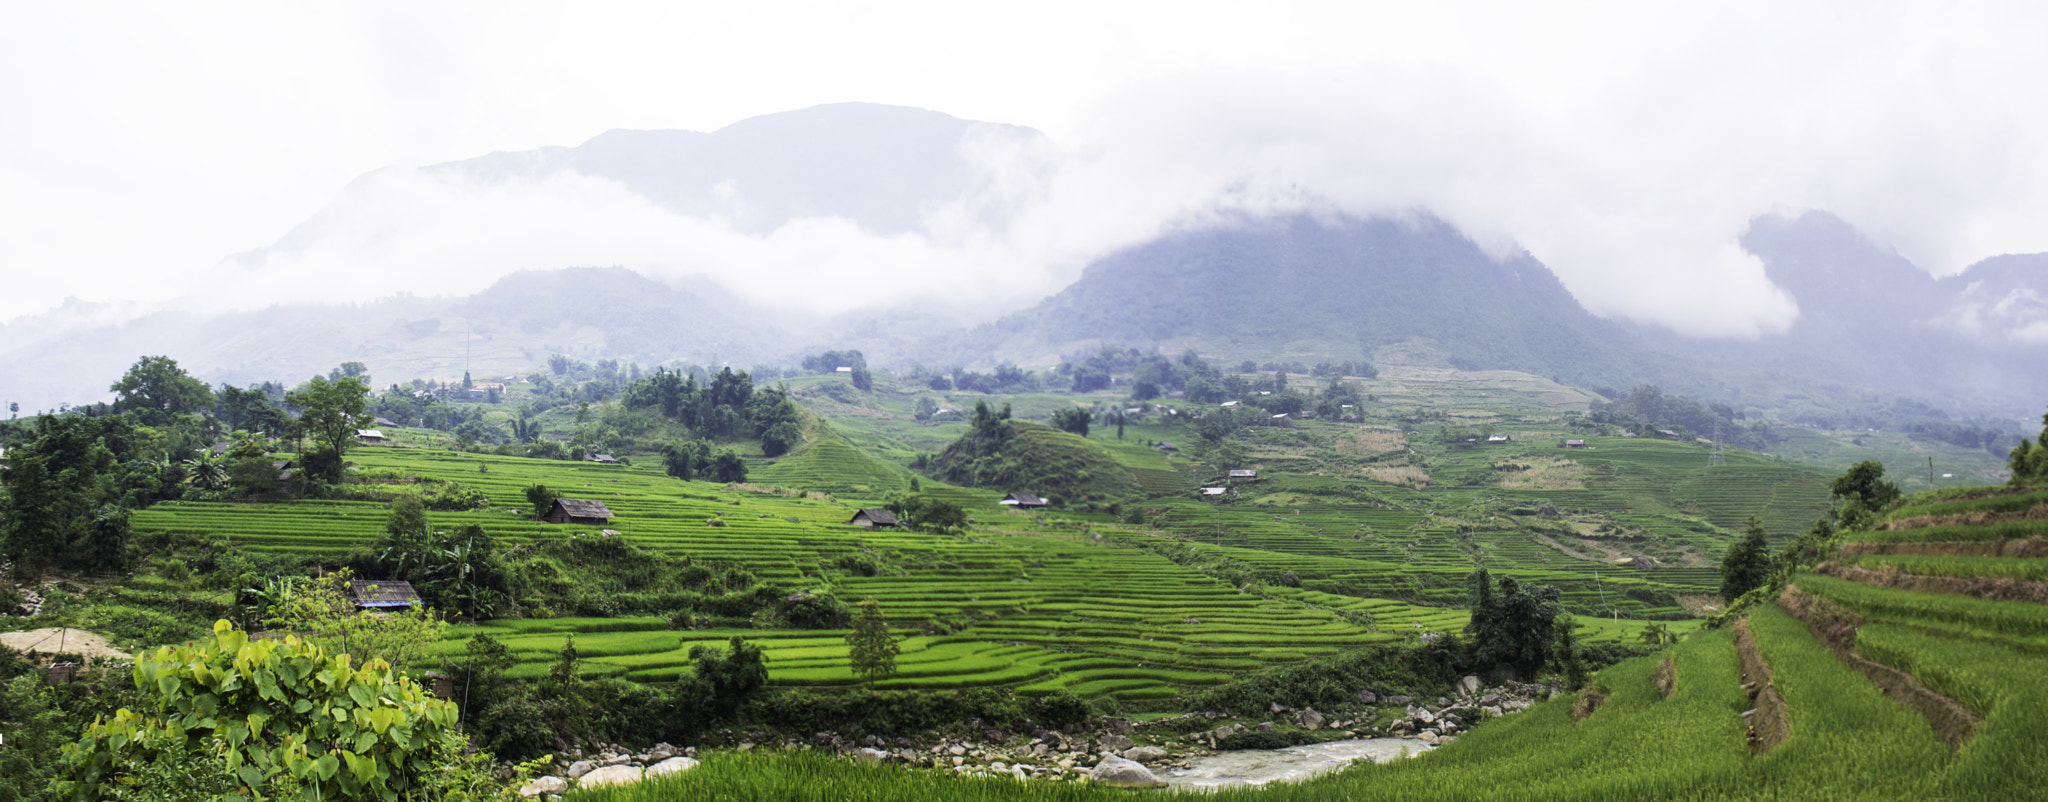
(2033, 570)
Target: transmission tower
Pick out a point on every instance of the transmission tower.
(1714, 457)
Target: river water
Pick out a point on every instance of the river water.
(1261, 766)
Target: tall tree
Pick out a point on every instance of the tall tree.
(157, 390)
(1747, 566)
(1513, 627)
(873, 650)
(331, 411)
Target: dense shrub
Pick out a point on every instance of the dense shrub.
(1419, 669)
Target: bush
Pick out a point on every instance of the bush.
(323, 729)
(1254, 739)
(816, 611)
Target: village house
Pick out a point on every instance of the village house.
(1022, 500)
(1165, 446)
(1497, 439)
(369, 436)
(1243, 474)
(604, 459)
(579, 511)
(1214, 491)
(1574, 444)
(873, 518)
(381, 594)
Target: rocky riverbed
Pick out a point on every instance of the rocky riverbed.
(1194, 749)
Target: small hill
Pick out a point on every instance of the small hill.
(828, 462)
(1020, 456)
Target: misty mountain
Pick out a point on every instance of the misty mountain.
(510, 328)
(1870, 319)
(884, 167)
(1314, 289)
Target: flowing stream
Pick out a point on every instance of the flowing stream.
(1261, 766)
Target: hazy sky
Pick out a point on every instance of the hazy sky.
(1625, 145)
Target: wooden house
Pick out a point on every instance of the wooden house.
(1574, 444)
(603, 459)
(381, 594)
(1022, 500)
(579, 511)
(369, 436)
(871, 519)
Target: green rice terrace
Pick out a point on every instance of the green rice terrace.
(1906, 665)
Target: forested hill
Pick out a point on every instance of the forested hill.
(1317, 289)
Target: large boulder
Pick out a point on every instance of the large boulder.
(622, 774)
(1145, 754)
(1116, 743)
(1468, 685)
(542, 786)
(674, 765)
(1117, 772)
(580, 768)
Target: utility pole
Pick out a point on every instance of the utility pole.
(1930, 470)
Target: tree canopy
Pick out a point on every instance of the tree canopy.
(331, 411)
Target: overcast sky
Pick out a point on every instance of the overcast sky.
(1625, 145)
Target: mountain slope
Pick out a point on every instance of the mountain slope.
(1314, 289)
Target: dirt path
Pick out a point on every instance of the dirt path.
(62, 641)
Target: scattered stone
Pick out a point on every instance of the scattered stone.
(661, 751)
(610, 775)
(543, 785)
(1467, 686)
(871, 754)
(580, 768)
(1145, 754)
(1117, 743)
(1264, 726)
(1117, 772)
(1367, 697)
(673, 765)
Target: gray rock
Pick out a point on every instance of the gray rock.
(1428, 736)
(580, 768)
(1265, 726)
(673, 765)
(1468, 685)
(1367, 697)
(1116, 743)
(543, 785)
(871, 754)
(1309, 719)
(1117, 772)
(1400, 701)
(1277, 707)
(609, 776)
(1145, 754)
(661, 751)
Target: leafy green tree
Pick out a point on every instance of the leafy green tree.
(33, 725)
(330, 414)
(1072, 419)
(928, 514)
(1570, 662)
(1865, 482)
(2029, 461)
(1747, 566)
(1513, 626)
(923, 408)
(105, 547)
(157, 391)
(278, 718)
(728, 677)
(542, 499)
(728, 467)
(872, 650)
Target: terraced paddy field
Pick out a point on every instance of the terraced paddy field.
(1834, 689)
(1029, 600)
